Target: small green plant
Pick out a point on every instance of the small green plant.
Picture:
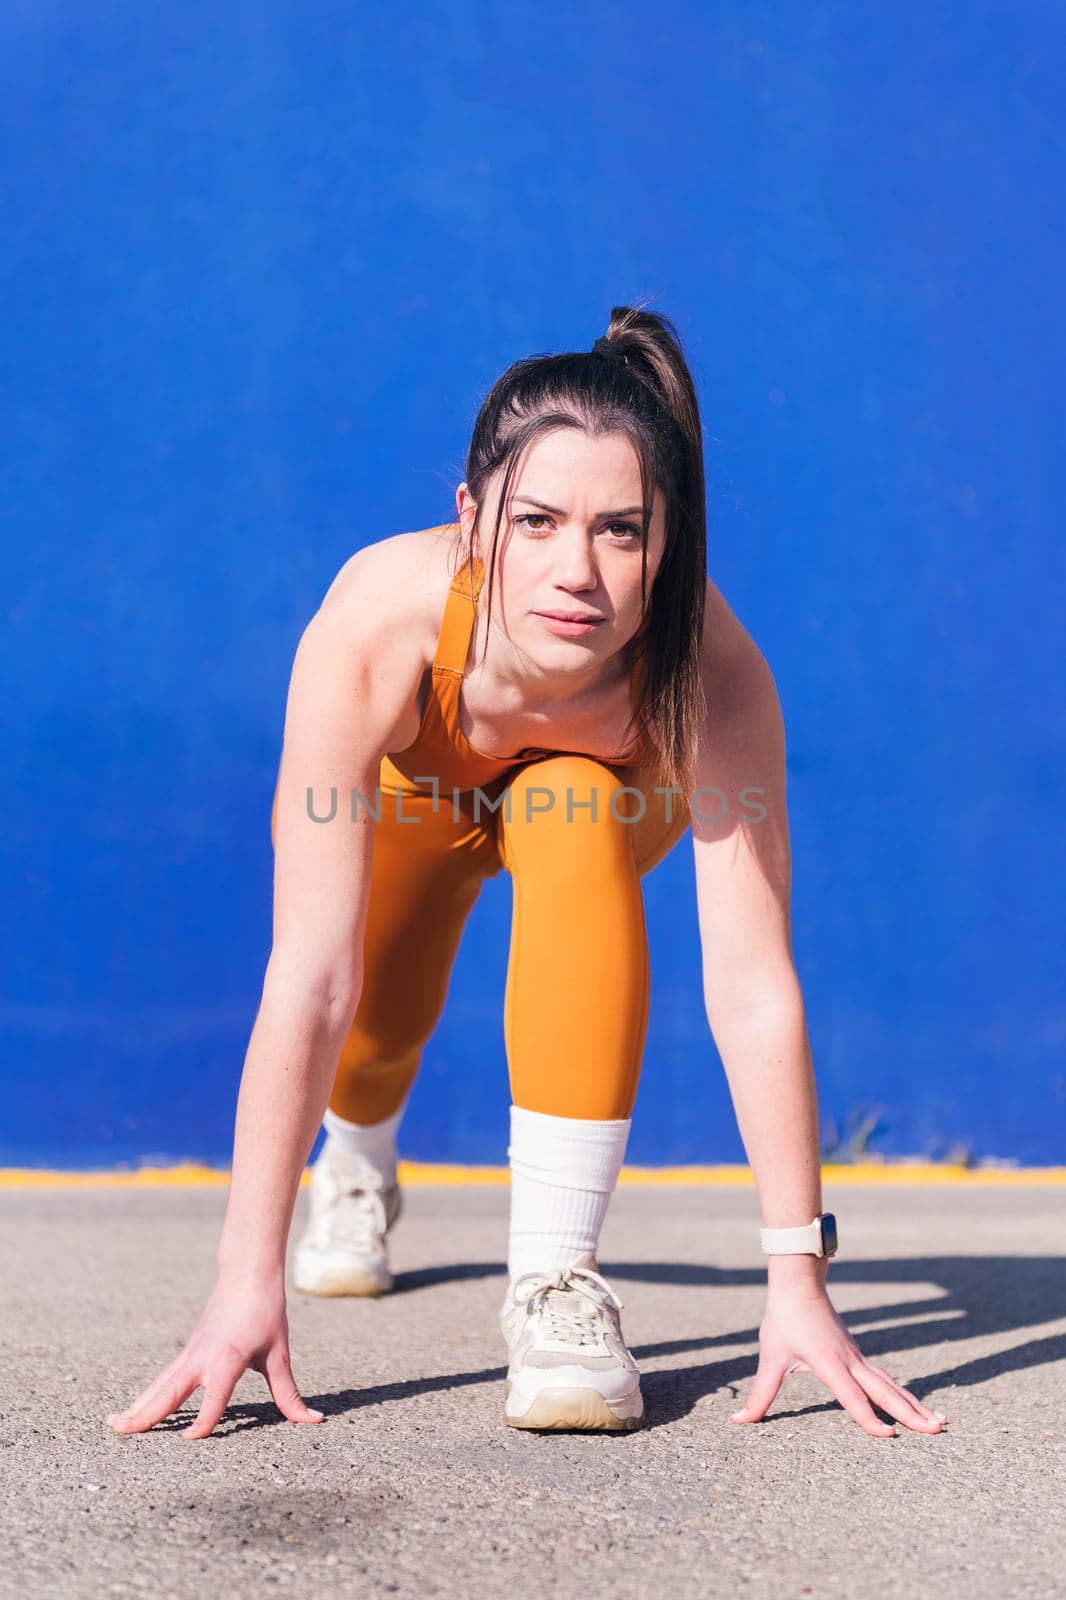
(853, 1144)
(960, 1154)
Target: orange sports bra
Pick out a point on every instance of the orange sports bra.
(440, 748)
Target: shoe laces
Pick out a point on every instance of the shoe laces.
(569, 1301)
(354, 1209)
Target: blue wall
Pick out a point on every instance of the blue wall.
(260, 264)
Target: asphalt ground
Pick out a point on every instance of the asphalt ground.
(413, 1486)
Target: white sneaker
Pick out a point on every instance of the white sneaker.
(343, 1250)
(569, 1366)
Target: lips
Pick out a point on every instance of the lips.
(570, 616)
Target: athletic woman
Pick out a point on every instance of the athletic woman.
(550, 685)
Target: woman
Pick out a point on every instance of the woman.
(552, 685)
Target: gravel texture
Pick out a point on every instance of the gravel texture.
(414, 1487)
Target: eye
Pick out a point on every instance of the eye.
(621, 532)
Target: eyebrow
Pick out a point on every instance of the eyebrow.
(627, 511)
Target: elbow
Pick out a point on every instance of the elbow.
(330, 992)
(769, 1002)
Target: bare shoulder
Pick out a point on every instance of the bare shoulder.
(738, 683)
(373, 635)
(390, 594)
(394, 584)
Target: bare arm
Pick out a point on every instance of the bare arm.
(353, 677)
(751, 991)
(756, 1013)
(337, 727)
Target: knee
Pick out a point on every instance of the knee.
(568, 801)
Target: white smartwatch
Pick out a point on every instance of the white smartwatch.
(818, 1238)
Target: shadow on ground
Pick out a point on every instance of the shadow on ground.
(1028, 1291)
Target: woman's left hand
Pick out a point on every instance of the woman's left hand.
(801, 1331)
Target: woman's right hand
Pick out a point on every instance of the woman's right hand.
(243, 1325)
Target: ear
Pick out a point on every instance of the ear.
(466, 509)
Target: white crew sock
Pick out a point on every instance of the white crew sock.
(371, 1142)
(563, 1173)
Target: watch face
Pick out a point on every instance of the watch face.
(829, 1233)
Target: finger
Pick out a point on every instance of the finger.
(852, 1396)
(165, 1395)
(277, 1370)
(897, 1401)
(926, 1411)
(216, 1397)
(762, 1395)
(148, 1395)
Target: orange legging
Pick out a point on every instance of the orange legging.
(576, 1002)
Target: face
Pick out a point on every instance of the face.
(569, 547)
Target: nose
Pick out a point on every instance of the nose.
(576, 568)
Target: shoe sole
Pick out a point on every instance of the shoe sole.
(553, 1410)
(362, 1285)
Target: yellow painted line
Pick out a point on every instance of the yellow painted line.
(189, 1174)
(185, 1174)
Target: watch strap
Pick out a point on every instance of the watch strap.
(806, 1240)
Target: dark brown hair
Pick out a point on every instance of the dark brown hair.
(651, 398)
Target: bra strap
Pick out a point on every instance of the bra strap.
(457, 623)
